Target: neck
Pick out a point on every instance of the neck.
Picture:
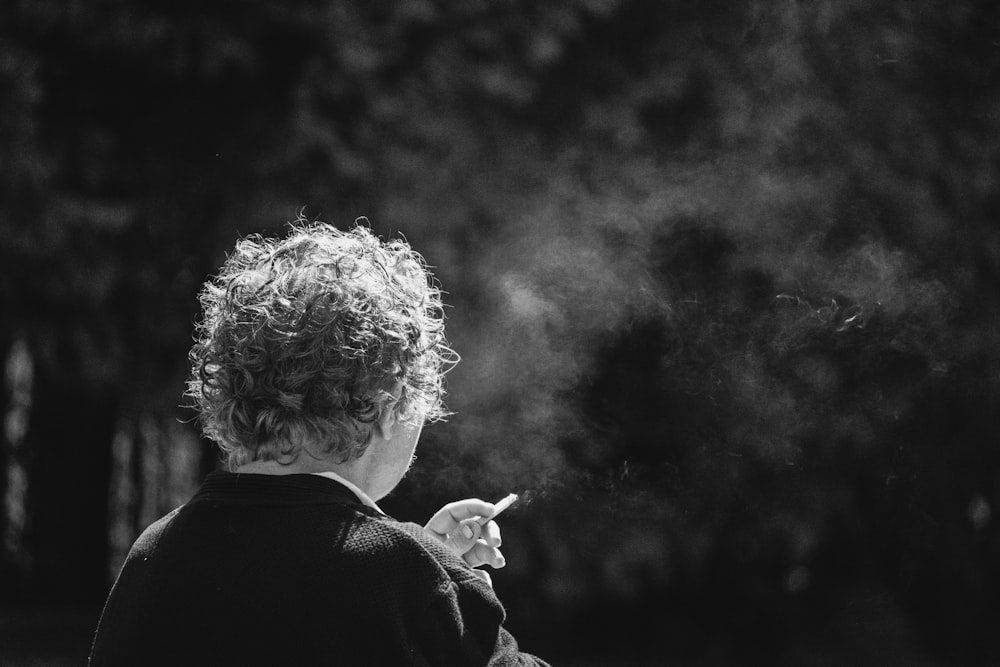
(351, 470)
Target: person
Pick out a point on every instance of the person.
(317, 360)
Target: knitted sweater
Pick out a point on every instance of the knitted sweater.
(294, 570)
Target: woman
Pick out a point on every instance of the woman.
(318, 359)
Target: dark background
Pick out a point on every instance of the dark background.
(724, 277)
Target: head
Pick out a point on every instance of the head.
(307, 342)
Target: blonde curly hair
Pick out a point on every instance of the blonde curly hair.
(305, 341)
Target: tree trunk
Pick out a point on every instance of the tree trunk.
(69, 442)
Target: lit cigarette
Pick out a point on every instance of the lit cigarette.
(498, 507)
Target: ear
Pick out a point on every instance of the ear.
(385, 427)
(386, 423)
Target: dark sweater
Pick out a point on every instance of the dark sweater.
(294, 570)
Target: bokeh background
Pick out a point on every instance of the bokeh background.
(724, 276)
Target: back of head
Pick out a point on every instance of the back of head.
(306, 340)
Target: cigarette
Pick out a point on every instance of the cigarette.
(498, 507)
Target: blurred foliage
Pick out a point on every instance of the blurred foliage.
(724, 278)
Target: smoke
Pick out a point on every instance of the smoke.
(693, 309)
(649, 345)
(846, 292)
(553, 283)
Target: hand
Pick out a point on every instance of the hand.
(458, 526)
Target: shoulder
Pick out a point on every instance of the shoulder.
(149, 538)
(404, 558)
(407, 550)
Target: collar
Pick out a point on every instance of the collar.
(362, 496)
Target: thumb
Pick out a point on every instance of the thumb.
(484, 575)
(464, 536)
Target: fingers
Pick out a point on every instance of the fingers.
(477, 545)
(451, 515)
(482, 553)
(463, 537)
(458, 525)
(491, 534)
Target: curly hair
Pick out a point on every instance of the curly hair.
(308, 339)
